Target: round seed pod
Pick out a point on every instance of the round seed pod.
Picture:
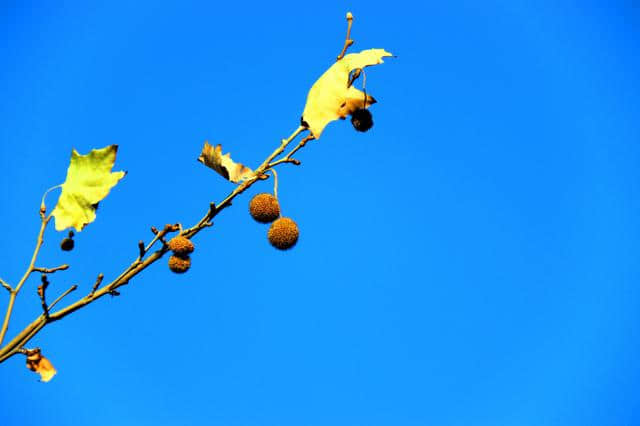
(264, 208)
(283, 233)
(179, 264)
(180, 246)
(362, 119)
(67, 244)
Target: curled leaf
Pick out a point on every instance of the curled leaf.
(223, 164)
(89, 180)
(41, 365)
(332, 96)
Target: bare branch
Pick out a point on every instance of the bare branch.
(96, 284)
(42, 290)
(6, 285)
(13, 294)
(287, 158)
(62, 296)
(50, 270)
(348, 42)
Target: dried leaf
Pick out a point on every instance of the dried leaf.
(89, 180)
(41, 365)
(223, 164)
(331, 97)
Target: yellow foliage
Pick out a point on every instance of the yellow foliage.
(331, 97)
(89, 180)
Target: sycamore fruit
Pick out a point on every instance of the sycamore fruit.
(67, 243)
(264, 208)
(362, 120)
(179, 264)
(283, 233)
(180, 246)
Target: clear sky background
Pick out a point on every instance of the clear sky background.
(472, 260)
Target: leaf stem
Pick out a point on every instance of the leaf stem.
(275, 183)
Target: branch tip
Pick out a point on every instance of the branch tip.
(50, 270)
(348, 41)
(69, 290)
(99, 279)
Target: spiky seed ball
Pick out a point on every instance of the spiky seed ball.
(264, 208)
(361, 119)
(283, 233)
(179, 264)
(180, 246)
(67, 244)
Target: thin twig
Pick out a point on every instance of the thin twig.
(50, 270)
(62, 296)
(4, 284)
(348, 42)
(42, 290)
(287, 158)
(14, 293)
(96, 284)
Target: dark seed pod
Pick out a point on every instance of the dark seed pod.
(362, 119)
(67, 243)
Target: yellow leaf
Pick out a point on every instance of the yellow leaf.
(41, 365)
(331, 97)
(223, 164)
(89, 180)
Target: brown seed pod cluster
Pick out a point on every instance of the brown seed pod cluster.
(283, 233)
(264, 208)
(181, 247)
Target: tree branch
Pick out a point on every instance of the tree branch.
(287, 158)
(42, 290)
(139, 264)
(62, 296)
(6, 285)
(30, 269)
(51, 270)
(348, 42)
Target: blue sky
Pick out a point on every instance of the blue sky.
(471, 260)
